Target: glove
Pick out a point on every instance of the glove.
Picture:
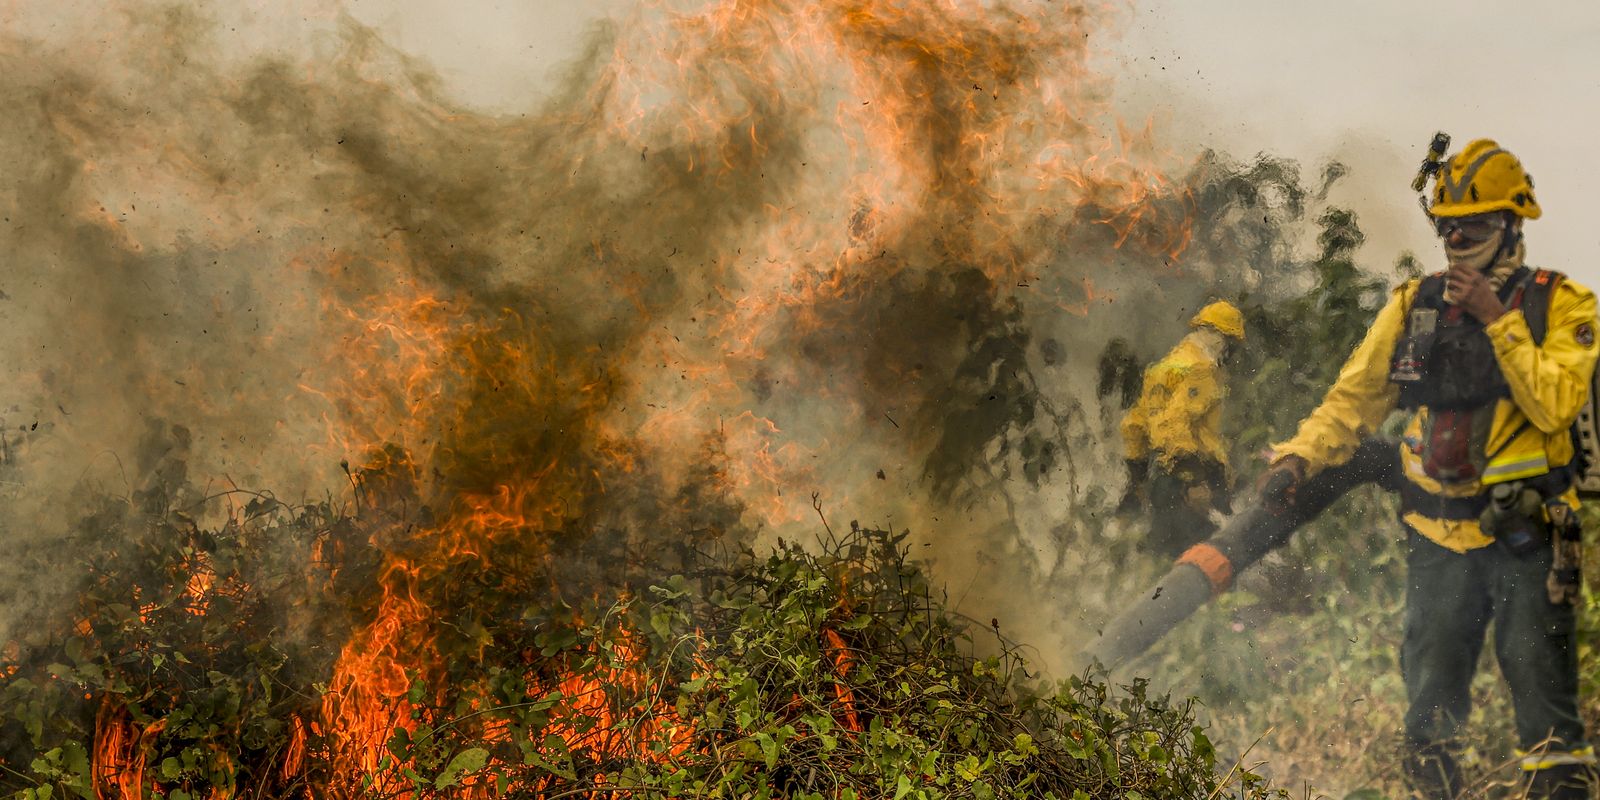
(1199, 498)
(1278, 484)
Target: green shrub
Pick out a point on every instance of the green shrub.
(793, 674)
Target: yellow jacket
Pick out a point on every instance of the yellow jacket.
(1529, 434)
(1179, 412)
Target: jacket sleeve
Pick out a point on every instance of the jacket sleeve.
(1549, 382)
(1203, 411)
(1360, 398)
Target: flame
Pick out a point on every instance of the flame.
(922, 112)
(366, 699)
(120, 748)
(418, 399)
(790, 171)
(983, 122)
(294, 756)
(589, 698)
(838, 652)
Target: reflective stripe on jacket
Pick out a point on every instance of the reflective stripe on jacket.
(1179, 412)
(1529, 435)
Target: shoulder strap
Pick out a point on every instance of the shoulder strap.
(1537, 292)
(1536, 302)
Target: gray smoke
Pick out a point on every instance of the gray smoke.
(856, 250)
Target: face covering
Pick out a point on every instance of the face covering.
(1487, 257)
(1478, 256)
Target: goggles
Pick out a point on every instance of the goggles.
(1474, 229)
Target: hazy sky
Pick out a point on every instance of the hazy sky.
(1368, 81)
(1371, 80)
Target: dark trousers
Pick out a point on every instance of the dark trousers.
(1450, 600)
(1180, 507)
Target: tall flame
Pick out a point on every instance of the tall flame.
(892, 141)
(756, 255)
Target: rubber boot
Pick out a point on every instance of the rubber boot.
(1433, 773)
(1562, 782)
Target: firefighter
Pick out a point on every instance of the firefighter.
(1492, 361)
(1172, 435)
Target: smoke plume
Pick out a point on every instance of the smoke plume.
(752, 263)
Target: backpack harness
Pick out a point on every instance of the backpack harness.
(1446, 363)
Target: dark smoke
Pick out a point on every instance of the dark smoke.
(867, 250)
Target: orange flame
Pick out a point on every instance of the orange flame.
(120, 749)
(982, 123)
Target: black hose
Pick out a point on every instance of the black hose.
(1264, 524)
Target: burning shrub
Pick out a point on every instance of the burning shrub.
(799, 675)
(193, 666)
(188, 661)
(741, 254)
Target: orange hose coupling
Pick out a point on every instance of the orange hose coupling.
(1216, 566)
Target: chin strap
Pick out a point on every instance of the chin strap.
(1511, 239)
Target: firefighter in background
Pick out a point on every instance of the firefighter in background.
(1173, 435)
(1493, 362)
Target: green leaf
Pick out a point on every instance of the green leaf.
(532, 759)
(400, 742)
(967, 768)
(75, 765)
(469, 760)
(1203, 748)
(555, 640)
(661, 625)
(855, 623)
(902, 787)
(769, 749)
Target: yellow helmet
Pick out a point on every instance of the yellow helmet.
(1222, 316)
(1480, 179)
